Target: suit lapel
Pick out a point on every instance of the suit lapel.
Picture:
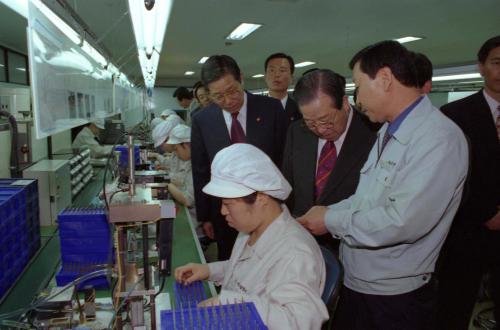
(308, 152)
(254, 118)
(221, 137)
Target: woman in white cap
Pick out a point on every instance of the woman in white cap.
(274, 263)
(89, 137)
(160, 136)
(182, 189)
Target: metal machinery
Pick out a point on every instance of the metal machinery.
(141, 204)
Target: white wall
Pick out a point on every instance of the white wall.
(163, 99)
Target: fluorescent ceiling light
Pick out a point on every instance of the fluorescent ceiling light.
(189, 73)
(149, 25)
(471, 82)
(259, 75)
(349, 85)
(242, 31)
(402, 40)
(21, 69)
(457, 76)
(303, 64)
(1, 65)
(57, 21)
(203, 59)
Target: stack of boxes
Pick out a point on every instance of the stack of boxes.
(86, 245)
(19, 228)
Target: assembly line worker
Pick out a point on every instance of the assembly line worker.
(410, 187)
(275, 263)
(161, 133)
(166, 113)
(155, 122)
(182, 191)
(89, 137)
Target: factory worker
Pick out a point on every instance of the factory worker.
(160, 135)
(275, 263)
(155, 122)
(166, 113)
(88, 137)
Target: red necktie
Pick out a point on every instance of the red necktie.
(326, 162)
(237, 133)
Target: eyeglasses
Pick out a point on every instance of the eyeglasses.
(325, 122)
(231, 93)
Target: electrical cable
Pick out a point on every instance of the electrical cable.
(15, 172)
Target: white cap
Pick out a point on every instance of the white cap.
(168, 112)
(155, 122)
(242, 169)
(99, 122)
(162, 131)
(180, 134)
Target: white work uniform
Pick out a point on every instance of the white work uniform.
(86, 138)
(283, 274)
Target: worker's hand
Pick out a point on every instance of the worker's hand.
(208, 229)
(191, 272)
(214, 301)
(494, 223)
(314, 220)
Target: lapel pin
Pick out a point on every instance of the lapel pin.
(258, 119)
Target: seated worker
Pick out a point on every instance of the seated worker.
(155, 122)
(274, 263)
(89, 137)
(166, 113)
(160, 135)
(182, 189)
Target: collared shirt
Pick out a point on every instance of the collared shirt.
(393, 127)
(494, 104)
(394, 225)
(283, 274)
(242, 116)
(284, 100)
(339, 142)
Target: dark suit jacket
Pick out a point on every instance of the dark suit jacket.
(299, 164)
(292, 110)
(265, 129)
(473, 115)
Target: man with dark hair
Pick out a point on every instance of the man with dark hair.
(424, 72)
(473, 245)
(394, 225)
(201, 95)
(235, 116)
(279, 69)
(185, 99)
(325, 150)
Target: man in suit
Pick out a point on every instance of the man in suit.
(473, 244)
(235, 116)
(279, 69)
(327, 117)
(393, 227)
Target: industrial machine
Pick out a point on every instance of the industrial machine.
(54, 186)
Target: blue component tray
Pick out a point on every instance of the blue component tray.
(233, 316)
(70, 272)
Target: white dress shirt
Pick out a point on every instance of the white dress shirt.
(283, 274)
(284, 100)
(242, 116)
(394, 225)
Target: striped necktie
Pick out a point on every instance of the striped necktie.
(326, 162)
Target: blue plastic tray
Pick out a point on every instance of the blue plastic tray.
(234, 316)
